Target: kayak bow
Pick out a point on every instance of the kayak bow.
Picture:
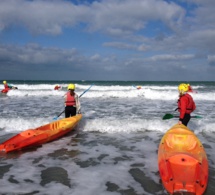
(182, 162)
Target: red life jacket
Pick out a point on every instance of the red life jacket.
(56, 87)
(186, 100)
(6, 86)
(70, 100)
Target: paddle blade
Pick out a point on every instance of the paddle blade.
(197, 117)
(55, 118)
(167, 116)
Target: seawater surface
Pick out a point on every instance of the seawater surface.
(112, 151)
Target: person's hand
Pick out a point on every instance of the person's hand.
(179, 122)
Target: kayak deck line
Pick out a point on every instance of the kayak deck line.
(40, 135)
(182, 162)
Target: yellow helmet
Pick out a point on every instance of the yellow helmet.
(4, 82)
(71, 87)
(182, 88)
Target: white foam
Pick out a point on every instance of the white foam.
(147, 92)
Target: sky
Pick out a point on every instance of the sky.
(124, 40)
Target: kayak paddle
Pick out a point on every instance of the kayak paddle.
(169, 116)
(86, 90)
(55, 118)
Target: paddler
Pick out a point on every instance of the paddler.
(8, 86)
(72, 103)
(57, 87)
(186, 105)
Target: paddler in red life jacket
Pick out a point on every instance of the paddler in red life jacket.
(57, 87)
(186, 105)
(6, 86)
(72, 103)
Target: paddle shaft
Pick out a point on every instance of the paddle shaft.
(60, 114)
(86, 90)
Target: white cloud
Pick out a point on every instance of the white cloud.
(112, 16)
(40, 17)
(211, 59)
(132, 15)
(168, 57)
(95, 57)
(147, 34)
(119, 45)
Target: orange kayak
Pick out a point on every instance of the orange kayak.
(182, 162)
(40, 135)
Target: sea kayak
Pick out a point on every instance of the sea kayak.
(182, 162)
(40, 135)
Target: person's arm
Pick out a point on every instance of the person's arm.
(9, 85)
(194, 106)
(78, 104)
(65, 97)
